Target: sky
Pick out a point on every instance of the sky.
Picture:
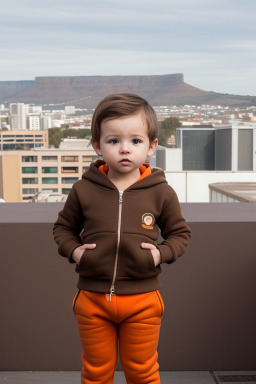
(212, 42)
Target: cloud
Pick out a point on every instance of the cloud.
(198, 38)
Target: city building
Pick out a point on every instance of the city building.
(45, 122)
(70, 110)
(33, 122)
(25, 173)
(232, 192)
(48, 196)
(34, 109)
(22, 139)
(28, 116)
(18, 116)
(221, 154)
(219, 148)
(74, 143)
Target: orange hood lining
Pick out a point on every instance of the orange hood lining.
(145, 170)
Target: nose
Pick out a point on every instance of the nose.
(125, 148)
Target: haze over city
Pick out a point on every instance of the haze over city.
(212, 42)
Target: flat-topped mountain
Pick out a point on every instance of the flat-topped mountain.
(87, 91)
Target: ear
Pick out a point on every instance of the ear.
(96, 146)
(152, 147)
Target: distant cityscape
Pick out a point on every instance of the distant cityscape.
(20, 116)
(214, 144)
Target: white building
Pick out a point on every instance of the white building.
(70, 110)
(34, 109)
(219, 148)
(74, 143)
(45, 122)
(34, 122)
(18, 116)
(232, 192)
(223, 154)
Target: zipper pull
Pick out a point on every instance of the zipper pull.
(121, 197)
(112, 292)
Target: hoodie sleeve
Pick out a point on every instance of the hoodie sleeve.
(174, 230)
(67, 228)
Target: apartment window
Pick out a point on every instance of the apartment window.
(89, 158)
(29, 191)
(29, 159)
(30, 180)
(29, 170)
(85, 169)
(24, 146)
(9, 147)
(49, 180)
(49, 158)
(69, 180)
(49, 169)
(69, 158)
(69, 170)
(65, 191)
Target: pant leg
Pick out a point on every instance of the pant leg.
(138, 340)
(98, 337)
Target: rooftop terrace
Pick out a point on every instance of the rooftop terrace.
(177, 377)
(209, 294)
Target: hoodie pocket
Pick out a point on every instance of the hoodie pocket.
(135, 262)
(98, 262)
(150, 258)
(75, 299)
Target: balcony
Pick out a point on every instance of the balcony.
(209, 293)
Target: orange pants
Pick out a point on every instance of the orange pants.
(134, 320)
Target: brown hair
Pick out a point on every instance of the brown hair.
(123, 104)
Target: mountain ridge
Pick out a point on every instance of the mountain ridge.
(87, 91)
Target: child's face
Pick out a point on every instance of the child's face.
(124, 143)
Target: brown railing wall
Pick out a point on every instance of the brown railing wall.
(209, 293)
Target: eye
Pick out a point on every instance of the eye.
(136, 141)
(113, 141)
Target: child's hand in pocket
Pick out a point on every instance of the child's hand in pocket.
(155, 252)
(77, 253)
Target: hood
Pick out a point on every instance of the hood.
(93, 174)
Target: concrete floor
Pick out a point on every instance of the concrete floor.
(170, 377)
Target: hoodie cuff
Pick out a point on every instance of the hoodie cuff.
(167, 255)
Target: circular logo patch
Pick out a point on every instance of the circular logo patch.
(148, 220)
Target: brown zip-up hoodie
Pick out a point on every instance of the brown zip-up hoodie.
(96, 212)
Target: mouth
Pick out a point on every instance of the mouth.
(125, 161)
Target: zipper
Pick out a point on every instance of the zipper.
(120, 203)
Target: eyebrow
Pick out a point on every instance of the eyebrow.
(115, 135)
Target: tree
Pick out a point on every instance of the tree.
(55, 136)
(167, 129)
